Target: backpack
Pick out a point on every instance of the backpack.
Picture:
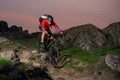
(43, 17)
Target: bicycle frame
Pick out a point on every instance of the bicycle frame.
(51, 45)
(52, 41)
(54, 51)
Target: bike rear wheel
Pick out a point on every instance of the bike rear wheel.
(39, 48)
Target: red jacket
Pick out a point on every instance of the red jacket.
(46, 26)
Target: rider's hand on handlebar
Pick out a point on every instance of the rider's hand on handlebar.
(62, 34)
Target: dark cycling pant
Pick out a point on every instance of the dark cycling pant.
(48, 31)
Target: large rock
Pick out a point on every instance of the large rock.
(11, 72)
(15, 34)
(113, 61)
(3, 26)
(2, 40)
(8, 54)
(112, 32)
(85, 37)
(37, 72)
(19, 35)
(36, 34)
(14, 28)
(29, 73)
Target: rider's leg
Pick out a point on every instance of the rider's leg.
(42, 37)
(49, 36)
(49, 33)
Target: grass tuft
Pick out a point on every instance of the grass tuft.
(4, 60)
(89, 57)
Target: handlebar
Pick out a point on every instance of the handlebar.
(56, 35)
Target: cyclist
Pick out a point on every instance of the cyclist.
(47, 22)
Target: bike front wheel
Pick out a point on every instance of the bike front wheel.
(54, 55)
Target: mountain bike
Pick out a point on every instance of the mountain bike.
(53, 46)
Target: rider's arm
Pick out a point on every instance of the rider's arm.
(58, 30)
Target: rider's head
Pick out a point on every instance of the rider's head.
(50, 19)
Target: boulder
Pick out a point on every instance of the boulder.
(17, 74)
(12, 72)
(85, 37)
(5, 68)
(2, 40)
(8, 54)
(14, 32)
(37, 72)
(14, 28)
(35, 34)
(15, 58)
(18, 35)
(30, 72)
(112, 33)
(3, 26)
(113, 61)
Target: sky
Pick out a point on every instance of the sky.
(66, 13)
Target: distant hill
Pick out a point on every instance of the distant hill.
(84, 37)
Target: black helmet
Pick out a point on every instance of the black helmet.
(50, 18)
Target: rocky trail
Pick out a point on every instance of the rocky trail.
(66, 73)
(63, 73)
(25, 63)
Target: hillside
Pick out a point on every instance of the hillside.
(89, 37)
(93, 57)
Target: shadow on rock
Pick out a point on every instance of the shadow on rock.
(30, 73)
(11, 72)
(37, 73)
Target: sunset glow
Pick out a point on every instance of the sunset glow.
(67, 13)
